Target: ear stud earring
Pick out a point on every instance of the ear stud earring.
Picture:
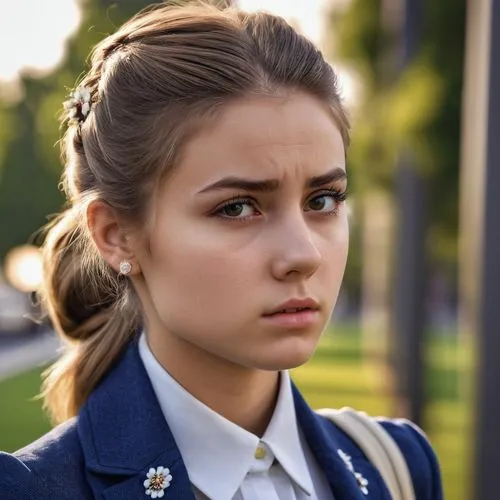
(125, 267)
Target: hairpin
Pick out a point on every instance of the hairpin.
(78, 105)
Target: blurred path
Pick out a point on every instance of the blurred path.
(21, 353)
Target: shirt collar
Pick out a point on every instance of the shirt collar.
(218, 453)
(282, 436)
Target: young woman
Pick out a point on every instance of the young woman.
(200, 258)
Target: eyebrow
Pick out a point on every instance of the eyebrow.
(270, 185)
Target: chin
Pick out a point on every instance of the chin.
(287, 358)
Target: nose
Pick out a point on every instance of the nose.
(296, 256)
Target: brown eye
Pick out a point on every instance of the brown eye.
(324, 203)
(233, 210)
(318, 203)
(237, 209)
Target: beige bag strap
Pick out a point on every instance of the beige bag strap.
(378, 446)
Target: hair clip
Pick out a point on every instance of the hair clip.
(78, 105)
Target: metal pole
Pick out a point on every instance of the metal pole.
(409, 286)
(483, 99)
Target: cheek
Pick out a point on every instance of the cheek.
(335, 254)
(342, 241)
(199, 275)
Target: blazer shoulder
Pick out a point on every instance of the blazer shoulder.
(419, 455)
(50, 467)
(15, 477)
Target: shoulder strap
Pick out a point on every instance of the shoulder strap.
(378, 446)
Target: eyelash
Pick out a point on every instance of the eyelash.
(338, 196)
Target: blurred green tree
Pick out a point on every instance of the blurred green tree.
(28, 188)
(29, 130)
(415, 109)
(419, 107)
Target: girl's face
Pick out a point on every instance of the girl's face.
(252, 217)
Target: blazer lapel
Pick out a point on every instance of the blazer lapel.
(324, 445)
(124, 434)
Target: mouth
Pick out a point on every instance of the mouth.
(294, 306)
(291, 310)
(293, 318)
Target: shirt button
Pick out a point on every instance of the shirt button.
(260, 453)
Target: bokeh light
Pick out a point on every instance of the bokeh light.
(23, 268)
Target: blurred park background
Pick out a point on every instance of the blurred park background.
(403, 340)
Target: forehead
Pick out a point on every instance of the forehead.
(263, 136)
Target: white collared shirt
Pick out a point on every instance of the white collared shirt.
(226, 462)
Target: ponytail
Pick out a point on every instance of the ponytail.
(91, 308)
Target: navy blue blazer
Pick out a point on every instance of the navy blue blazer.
(120, 433)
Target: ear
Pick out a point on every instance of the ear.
(111, 238)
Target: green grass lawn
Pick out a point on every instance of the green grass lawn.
(336, 376)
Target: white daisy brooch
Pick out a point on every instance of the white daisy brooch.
(78, 104)
(362, 481)
(158, 480)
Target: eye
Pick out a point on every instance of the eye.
(327, 203)
(236, 209)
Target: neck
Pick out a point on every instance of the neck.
(245, 396)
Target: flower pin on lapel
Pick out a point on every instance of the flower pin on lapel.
(158, 480)
(362, 481)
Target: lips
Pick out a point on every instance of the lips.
(293, 310)
(294, 306)
(303, 319)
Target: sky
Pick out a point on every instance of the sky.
(32, 34)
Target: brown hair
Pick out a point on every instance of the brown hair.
(153, 83)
